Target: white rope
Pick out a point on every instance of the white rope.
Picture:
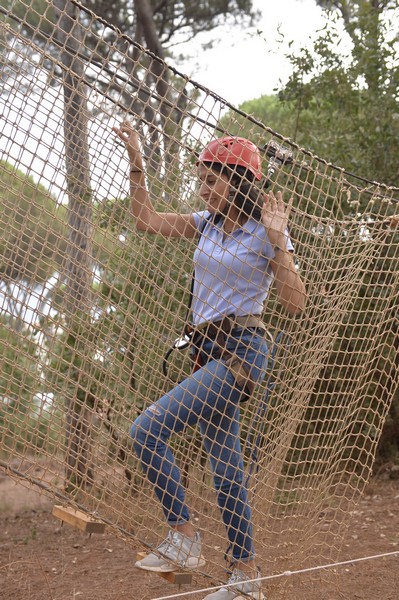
(284, 574)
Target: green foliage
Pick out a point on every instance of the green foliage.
(26, 415)
(33, 19)
(267, 109)
(346, 103)
(341, 100)
(32, 246)
(36, 15)
(19, 378)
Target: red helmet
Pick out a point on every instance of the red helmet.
(233, 151)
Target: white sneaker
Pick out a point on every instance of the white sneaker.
(176, 551)
(235, 592)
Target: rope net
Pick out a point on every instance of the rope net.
(90, 306)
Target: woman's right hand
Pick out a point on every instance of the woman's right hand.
(147, 219)
(130, 138)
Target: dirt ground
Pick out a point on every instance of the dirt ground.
(42, 560)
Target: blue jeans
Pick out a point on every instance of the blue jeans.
(210, 398)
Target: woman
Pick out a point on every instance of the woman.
(243, 247)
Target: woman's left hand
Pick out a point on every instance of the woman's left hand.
(275, 214)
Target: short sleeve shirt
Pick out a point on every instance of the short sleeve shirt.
(232, 273)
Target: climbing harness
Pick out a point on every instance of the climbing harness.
(219, 331)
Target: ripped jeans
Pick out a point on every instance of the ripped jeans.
(210, 398)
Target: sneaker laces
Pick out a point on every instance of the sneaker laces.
(236, 577)
(239, 577)
(170, 543)
(172, 546)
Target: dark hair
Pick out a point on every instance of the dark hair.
(245, 194)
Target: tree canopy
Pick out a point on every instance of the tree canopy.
(174, 21)
(345, 103)
(341, 100)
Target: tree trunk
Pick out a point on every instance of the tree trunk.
(78, 264)
(170, 109)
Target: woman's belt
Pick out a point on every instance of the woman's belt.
(219, 331)
(212, 329)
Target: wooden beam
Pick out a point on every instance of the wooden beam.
(78, 519)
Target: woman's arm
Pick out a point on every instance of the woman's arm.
(146, 217)
(290, 288)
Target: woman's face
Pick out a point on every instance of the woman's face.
(214, 189)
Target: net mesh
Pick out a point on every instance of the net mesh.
(90, 306)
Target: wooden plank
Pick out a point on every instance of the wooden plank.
(177, 577)
(78, 519)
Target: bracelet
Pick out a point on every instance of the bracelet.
(136, 170)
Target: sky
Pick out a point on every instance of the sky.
(246, 65)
